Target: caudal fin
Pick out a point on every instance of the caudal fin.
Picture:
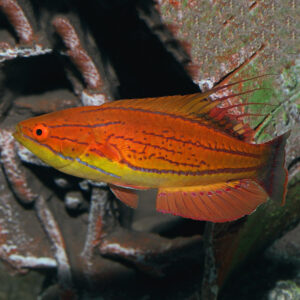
(274, 177)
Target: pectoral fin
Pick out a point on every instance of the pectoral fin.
(220, 202)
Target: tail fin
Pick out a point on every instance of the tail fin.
(274, 177)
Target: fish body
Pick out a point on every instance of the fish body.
(199, 159)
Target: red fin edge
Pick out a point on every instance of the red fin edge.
(220, 202)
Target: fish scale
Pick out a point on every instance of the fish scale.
(163, 148)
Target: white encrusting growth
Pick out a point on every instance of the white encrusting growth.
(13, 52)
(206, 84)
(53, 232)
(95, 99)
(124, 251)
(117, 248)
(14, 173)
(33, 262)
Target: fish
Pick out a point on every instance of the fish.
(202, 160)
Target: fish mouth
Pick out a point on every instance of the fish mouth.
(18, 135)
(43, 152)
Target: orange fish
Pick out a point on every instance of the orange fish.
(199, 157)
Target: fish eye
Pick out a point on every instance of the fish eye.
(40, 132)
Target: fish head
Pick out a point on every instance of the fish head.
(56, 138)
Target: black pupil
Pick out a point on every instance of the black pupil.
(39, 132)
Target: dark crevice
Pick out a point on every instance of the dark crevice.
(294, 162)
(143, 65)
(35, 75)
(261, 275)
(5, 25)
(180, 228)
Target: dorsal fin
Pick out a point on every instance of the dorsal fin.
(184, 105)
(198, 107)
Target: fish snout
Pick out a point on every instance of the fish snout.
(18, 132)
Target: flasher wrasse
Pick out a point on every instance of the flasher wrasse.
(199, 157)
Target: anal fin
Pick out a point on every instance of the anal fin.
(220, 202)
